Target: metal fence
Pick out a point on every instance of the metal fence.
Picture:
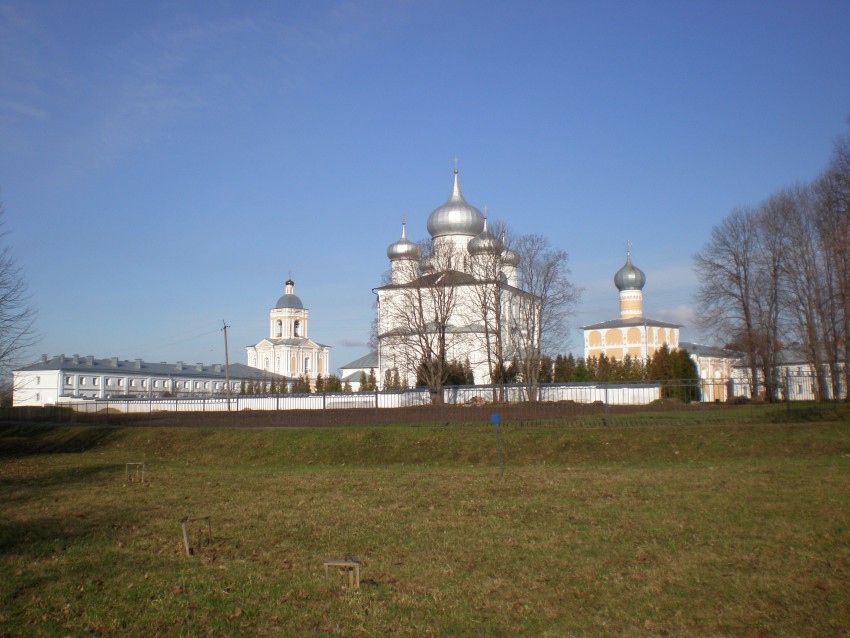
(587, 404)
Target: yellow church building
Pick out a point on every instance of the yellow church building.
(632, 333)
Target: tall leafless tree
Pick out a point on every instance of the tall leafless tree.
(726, 268)
(548, 300)
(17, 317)
(832, 205)
(490, 299)
(417, 317)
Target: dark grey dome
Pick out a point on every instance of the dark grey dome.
(629, 277)
(485, 243)
(290, 299)
(404, 248)
(456, 216)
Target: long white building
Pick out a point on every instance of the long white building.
(48, 381)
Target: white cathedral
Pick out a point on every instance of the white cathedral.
(288, 350)
(462, 289)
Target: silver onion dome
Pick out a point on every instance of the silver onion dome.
(404, 248)
(629, 277)
(485, 243)
(289, 299)
(456, 216)
(510, 258)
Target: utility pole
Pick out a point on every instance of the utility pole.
(226, 364)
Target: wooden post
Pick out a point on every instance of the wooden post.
(186, 540)
(135, 472)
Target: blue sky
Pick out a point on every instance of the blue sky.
(165, 166)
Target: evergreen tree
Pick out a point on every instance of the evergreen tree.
(468, 375)
(333, 384)
(301, 385)
(512, 371)
(388, 380)
(563, 370)
(592, 368)
(364, 382)
(346, 387)
(320, 383)
(242, 388)
(373, 380)
(603, 368)
(581, 373)
(396, 380)
(660, 365)
(545, 374)
(283, 386)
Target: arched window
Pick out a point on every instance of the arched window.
(297, 328)
(278, 329)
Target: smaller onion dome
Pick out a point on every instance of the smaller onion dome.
(484, 243)
(629, 277)
(289, 299)
(404, 248)
(510, 258)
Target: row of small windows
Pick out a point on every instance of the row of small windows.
(114, 382)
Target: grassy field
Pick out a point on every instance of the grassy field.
(713, 530)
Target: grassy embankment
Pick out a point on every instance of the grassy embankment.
(659, 530)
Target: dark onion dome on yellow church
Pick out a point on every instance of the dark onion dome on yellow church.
(629, 277)
(456, 216)
(404, 248)
(289, 299)
(485, 243)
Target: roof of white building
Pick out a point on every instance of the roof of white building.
(137, 367)
(632, 321)
(366, 361)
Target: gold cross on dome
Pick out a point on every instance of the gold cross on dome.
(455, 160)
(628, 246)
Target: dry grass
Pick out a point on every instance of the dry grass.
(710, 531)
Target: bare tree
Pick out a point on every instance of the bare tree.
(416, 328)
(726, 296)
(17, 318)
(809, 298)
(540, 314)
(490, 299)
(832, 205)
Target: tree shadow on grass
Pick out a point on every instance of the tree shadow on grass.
(28, 440)
(18, 489)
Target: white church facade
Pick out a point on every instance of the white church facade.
(288, 350)
(456, 293)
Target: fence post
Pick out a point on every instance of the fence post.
(605, 404)
(787, 393)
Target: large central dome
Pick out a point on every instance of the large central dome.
(456, 216)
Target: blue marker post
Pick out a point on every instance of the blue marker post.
(494, 419)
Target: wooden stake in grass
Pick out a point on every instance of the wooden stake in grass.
(495, 421)
(349, 566)
(135, 472)
(187, 537)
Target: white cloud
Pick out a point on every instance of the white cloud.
(682, 315)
